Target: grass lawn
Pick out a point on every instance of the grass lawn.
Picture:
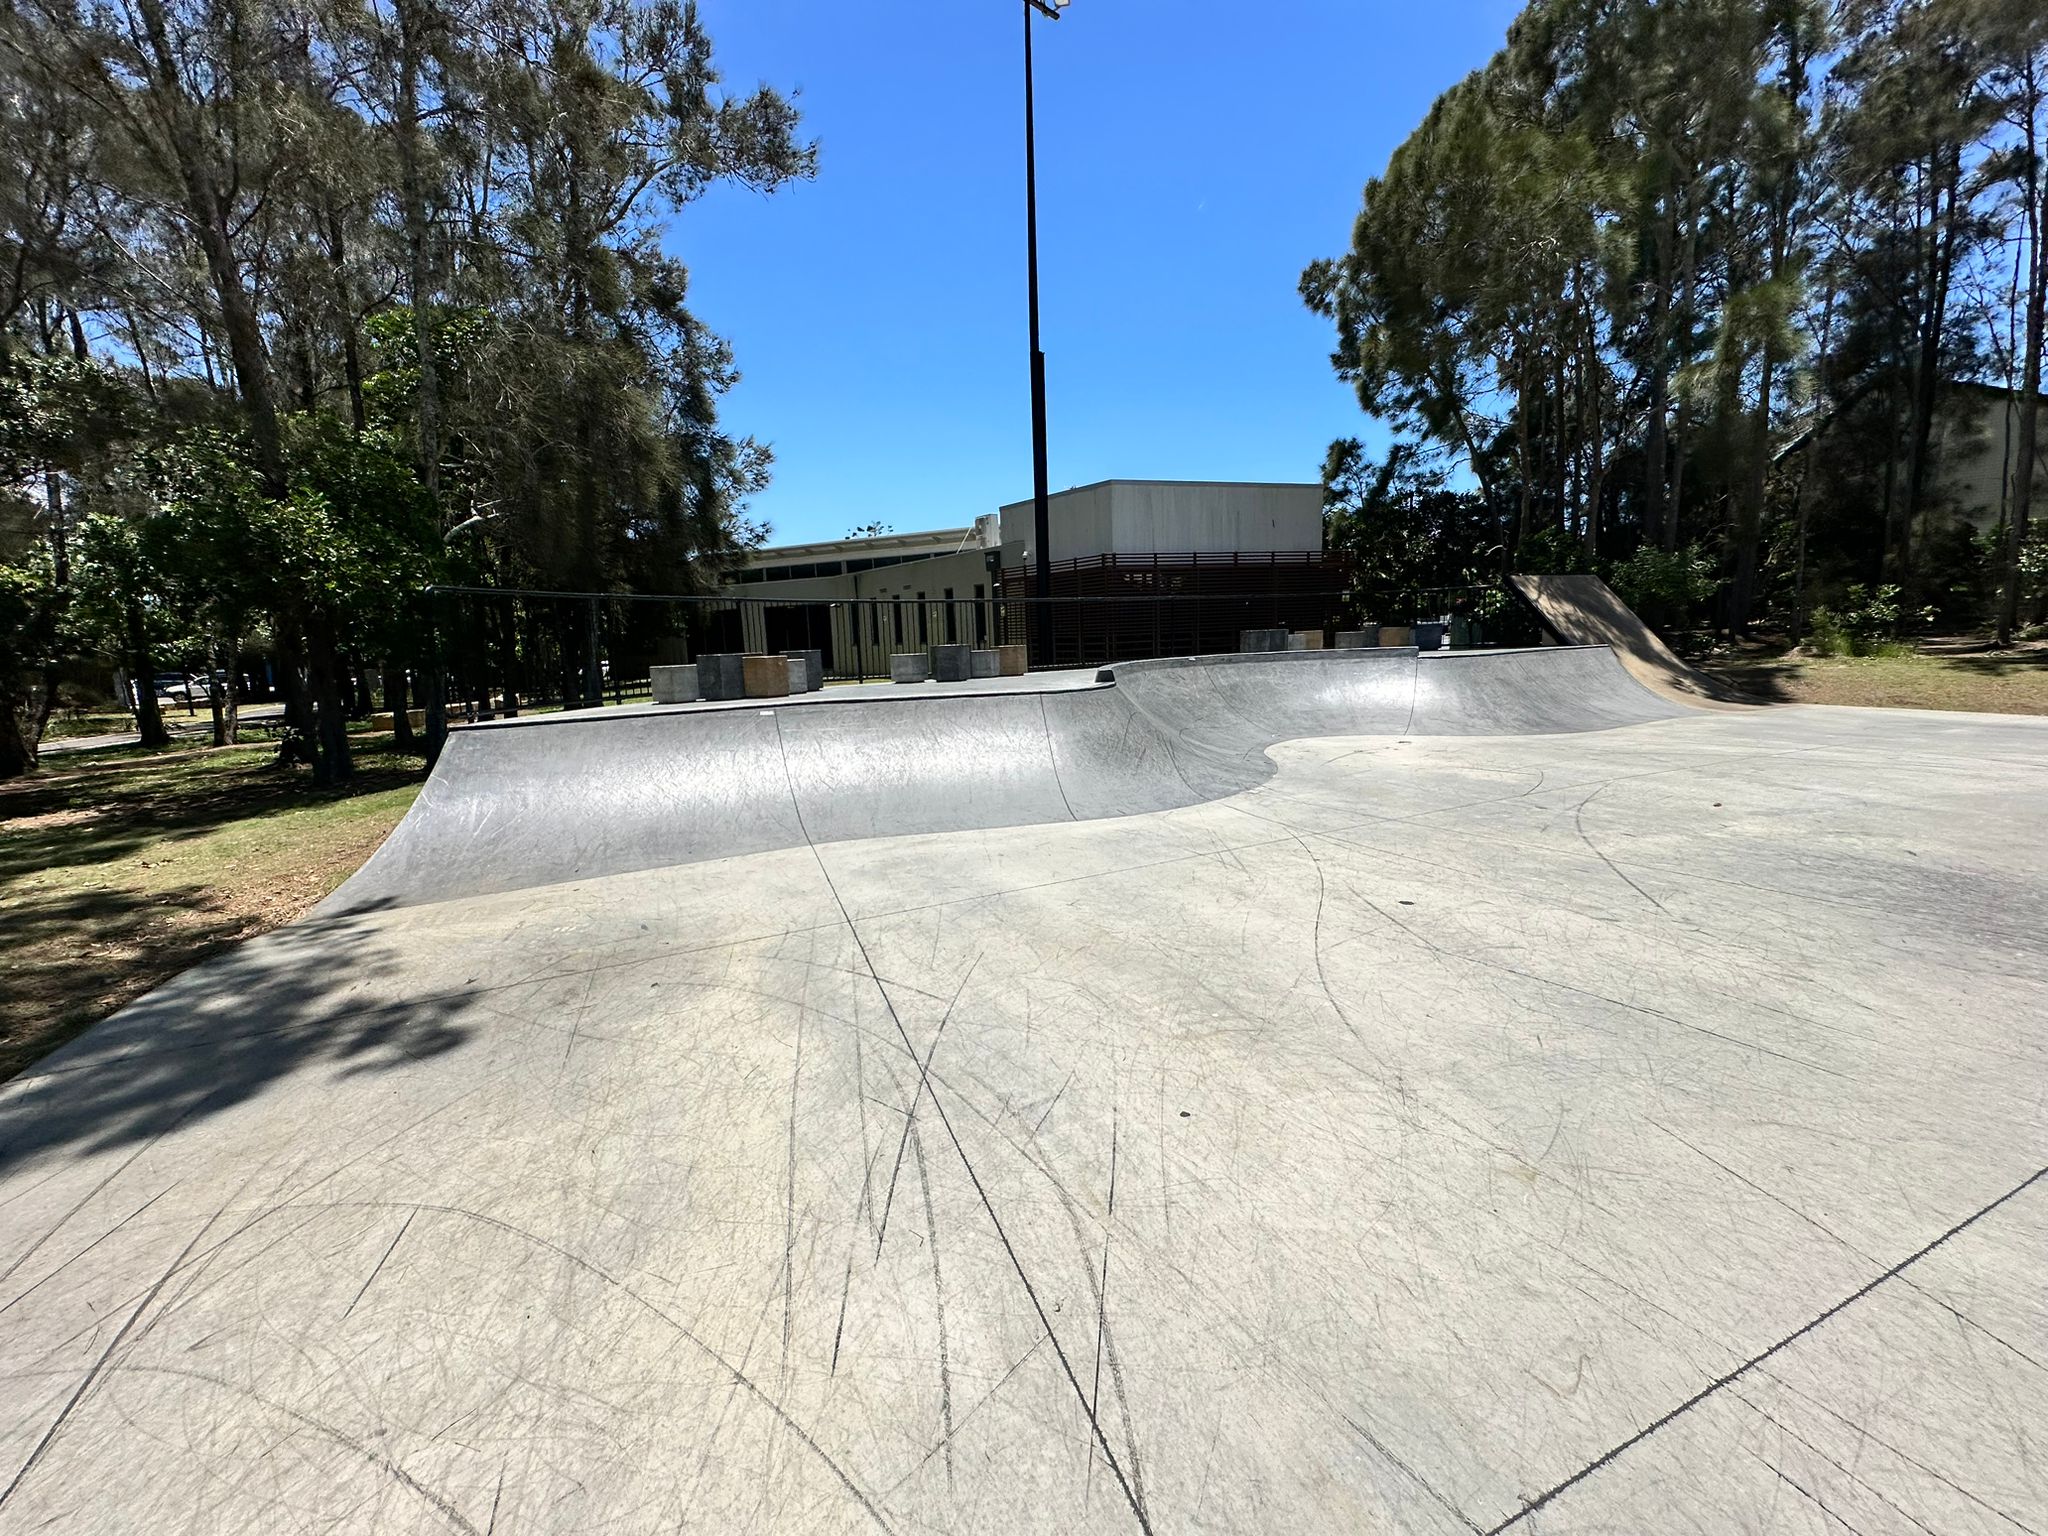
(1941, 675)
(120, 868)
(66, 723)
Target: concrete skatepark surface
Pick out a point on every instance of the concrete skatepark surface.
(1441, 1094)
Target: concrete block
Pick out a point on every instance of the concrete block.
(721, 677)
(1358, 639)
(1311, 640)
(908, 667)
(1014, 660)
(985, 664)
(1297, 642)
(806, 670)
(673, 685)
(1429, 637)
(1262, 640)
(1396, 634)
(767, 677)
(951, 664)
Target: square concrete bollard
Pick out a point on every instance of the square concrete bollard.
(1013, 660)
(1262, 640)
(1297, 642)
(908, 667)
(950, 663)
(1429, 637)
(673, 685)
(721, 677)
(806, 670)
(985, 664)
(1311, 640)
(1396, 634)
(767, 677)
(1358, 639)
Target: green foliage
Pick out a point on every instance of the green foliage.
(1396, 527)
(30, 616)
(367, 276)
(1868, 622)
(1619, 272)
(1679, 578)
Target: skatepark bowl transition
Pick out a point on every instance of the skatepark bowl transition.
(1334, 1092)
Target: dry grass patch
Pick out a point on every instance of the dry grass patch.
(1955, 675)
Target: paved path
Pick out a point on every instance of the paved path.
(179, 725)
(1628, 1130)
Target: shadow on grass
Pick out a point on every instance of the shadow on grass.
(73, 956)
(90, 812)
(1998, 663)
(301, 998)
(1765, 682)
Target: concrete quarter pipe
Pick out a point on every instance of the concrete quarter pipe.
(1317, 1092)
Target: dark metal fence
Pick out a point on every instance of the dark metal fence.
(496, 653)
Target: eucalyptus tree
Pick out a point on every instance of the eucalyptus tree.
(2014, 34)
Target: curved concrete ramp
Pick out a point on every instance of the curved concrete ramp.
(535, 802)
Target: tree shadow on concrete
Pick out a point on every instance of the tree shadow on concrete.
(322, 993)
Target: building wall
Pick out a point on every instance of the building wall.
(860, 619)
(1145, 517)
(1979, 461)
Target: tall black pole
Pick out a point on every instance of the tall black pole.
(1041, 514)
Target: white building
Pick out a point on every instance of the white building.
(1173, 517)
(858, 600)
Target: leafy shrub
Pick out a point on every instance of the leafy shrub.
(1868, 623)
(1654, 577)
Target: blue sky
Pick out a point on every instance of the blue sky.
(1192, 158)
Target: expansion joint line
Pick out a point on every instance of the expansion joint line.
(1617, 1452)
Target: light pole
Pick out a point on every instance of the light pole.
(1041, 514)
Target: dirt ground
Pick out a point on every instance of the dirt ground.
(119, 869)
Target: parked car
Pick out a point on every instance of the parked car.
(182, 688)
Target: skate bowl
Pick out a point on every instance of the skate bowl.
(1414, 1094)
(566, 797)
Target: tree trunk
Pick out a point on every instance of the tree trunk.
(1749, 518)
(397, 699)
(1655, 447)
(1596, 469)
(210, 226)
(2025, 436)
(1927, 364)
(216, 699)
(351, 354)
(1525, 518)
(149, 718)
(358, 676)
(413, 211)
(332, 763)
(17, 756)
(231, 690)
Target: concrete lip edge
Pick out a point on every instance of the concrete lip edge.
(1075, 680)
